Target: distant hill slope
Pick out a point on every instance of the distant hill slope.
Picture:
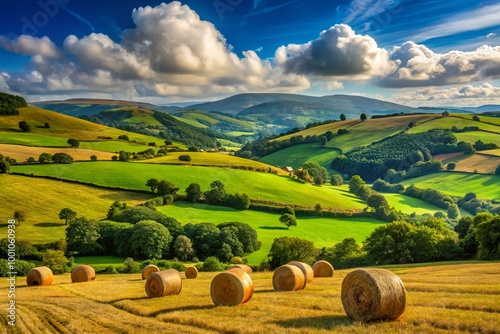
(214, 120)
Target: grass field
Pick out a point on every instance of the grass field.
(410, 205)
(486, 164)
(448, 122)
(254, 184)
(41, 200)
(473, 136)
(322, 231)
(441, 298)
(23, 138)
(296, 156)
(21, 153)
(459, 184)
(492, 152)
(143, 119)
(210, 159)
(483, 119)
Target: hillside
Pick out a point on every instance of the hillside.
(215, 121)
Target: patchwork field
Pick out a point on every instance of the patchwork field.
(459, 184)
(296, 156)
(481, 163)
(441, 298)
(473, 136)
(21, 153)
(42, 200)
(322, 231)
(448, 122)
(255, 184)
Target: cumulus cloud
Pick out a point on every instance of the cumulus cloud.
(460, 96)
(338, 52)
(418, 66)
(334, 85)
(169, 52)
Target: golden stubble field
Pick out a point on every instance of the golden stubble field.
(453, 298)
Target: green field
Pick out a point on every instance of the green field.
(296, 156)
(100, 262)
(31, 139)
(449, 122)
(190, 121)
(256, 185)
(459, 184)
(210, 159)
(462, 298)
(144, 119)
(117, 146)
(42, 200)
(473, 136)
(324, 232)
(483, 119)
(410, 205)
(240, 133)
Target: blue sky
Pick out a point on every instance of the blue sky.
(407, 51)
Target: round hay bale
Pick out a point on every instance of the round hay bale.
(323, 268)
(288, 278)
(82, 273)
(306, 269)
(164, 283)
(232, 287)
(39, 276)
(148, 270)
(246, 268)
(373, 294)
(191, 272)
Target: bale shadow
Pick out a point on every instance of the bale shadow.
(264, 291)
(48, 224)
(323, 322)
(182, 308)
(272, 228)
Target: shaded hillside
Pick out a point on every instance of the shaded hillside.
(214, 120)
(9, 104)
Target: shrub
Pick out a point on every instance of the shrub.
(236, 260)
(213, 264)
(110, 270)
(56, 261)
(184, 157)
(337, 180)
(130, 266)
(179, 266)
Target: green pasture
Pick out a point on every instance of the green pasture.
(473, 136)
(449, 122)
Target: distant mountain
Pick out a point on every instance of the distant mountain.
(90, 107)
(485, 108)
(437, 110)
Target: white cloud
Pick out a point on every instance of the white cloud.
(484, 17)
(466, 95)
(334, 85)
(360, 10)
(491, 35)
(169, 52)
(338, 52)
(419, 66)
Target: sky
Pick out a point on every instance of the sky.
(416, 53)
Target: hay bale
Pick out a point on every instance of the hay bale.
(306, 269)
(82, 273)
(246, 268)
(39, 276)
(164, 283)
(373, 294)
(148, 270)
(232, 287)
(323, 268)
(288, 278)
(191, 272)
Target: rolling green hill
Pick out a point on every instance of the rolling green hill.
(459, 184)
(256, 185)
(459, 122)
(214, 121)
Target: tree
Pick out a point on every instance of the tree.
(20, 216)
(46, 125)
(336, 180)
(152, 184)
(81, 237)
(67, 214)
(205, 238)
(329, 135)
(93, 157)
(475, 118)
(62, 158)
(323, 140)
(451, 166)
(123, 156)
(318, 208)
(246, 235)
(453, 211)
(110, 235)
(217, 194)
(115, 209)
(45, 158)
(184, 157)
(286, 249)
(25, 127)
(150, 240)
(135, 214)
(193, 192)
(342, 117)
(168, 142)
(4, 165)
(317, 172)
(56, 261)
(376, 201)
(183, 247)
(288, 220)
(355, 184)
(289, 210)
(345, 254)
(73, 142)
(445, 113)
(488, 239)
(467, 148)
(363, 117)
(303, 174)
(166, 188)
(239, 201)
(497, 171)
(123, 137)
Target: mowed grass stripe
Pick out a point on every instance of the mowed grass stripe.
(459, 184)
(42, 200)
(255, 184)
(324, 232)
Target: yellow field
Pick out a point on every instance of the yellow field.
(485, 164)
(446, 298)
(42, 200)
(21, 153)
(211, 159)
